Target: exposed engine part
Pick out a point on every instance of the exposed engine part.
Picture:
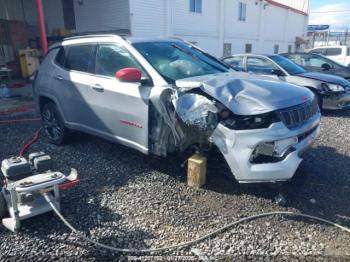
(196, 110)
(24, 182)
(272, 152)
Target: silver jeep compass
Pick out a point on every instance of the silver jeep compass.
(159, 96)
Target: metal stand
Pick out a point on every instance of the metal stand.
(19, 210)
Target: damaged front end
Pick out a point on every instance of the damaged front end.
(260, 127)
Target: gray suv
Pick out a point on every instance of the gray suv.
(159, 96)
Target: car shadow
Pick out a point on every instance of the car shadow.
(344, 113)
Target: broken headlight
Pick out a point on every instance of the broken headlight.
(239, 122)
(332, 87)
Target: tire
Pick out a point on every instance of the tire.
(53, 124)
(3, 208)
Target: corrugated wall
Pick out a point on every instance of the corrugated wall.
(97, 15)
(11, 10)
(148, 18)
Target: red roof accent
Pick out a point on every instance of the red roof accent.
(272, 2)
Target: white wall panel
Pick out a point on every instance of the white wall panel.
(199, 24)
(148, 18)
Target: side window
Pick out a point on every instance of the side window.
(318, 51)
(196, 6)
(236, 62)
(242, 11)
(248, 48)
(333, 51)
(79, 57)
(61, 56)
(260, 65)
(227, 49)
(111, 58)
(317, 61)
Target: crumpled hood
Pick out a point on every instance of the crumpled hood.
(325, 78)
(247, 94)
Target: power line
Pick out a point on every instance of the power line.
(332, 11)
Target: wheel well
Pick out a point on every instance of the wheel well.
(313, 89)
(43, 100)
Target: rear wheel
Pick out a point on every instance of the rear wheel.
(53, 124)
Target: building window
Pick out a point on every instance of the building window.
(248, 48)
(276, 49)
(196, 6)
(290, 48)
(242, 11)
(227, 49)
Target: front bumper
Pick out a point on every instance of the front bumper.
(336, 101)
(238, 147)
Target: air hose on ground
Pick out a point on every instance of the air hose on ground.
(30, 142)
(191, 242)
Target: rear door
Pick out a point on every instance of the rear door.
(71, 80)
(120, 109)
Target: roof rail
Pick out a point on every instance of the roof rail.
(120, 32)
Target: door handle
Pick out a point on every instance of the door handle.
(59, 77)
(97, 87)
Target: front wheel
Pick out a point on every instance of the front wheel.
(53, 124)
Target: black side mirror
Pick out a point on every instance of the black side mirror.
(277, 72)
(326, 67)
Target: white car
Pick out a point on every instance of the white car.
(340, 54)
(163, 95)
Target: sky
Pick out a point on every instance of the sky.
(335, 13)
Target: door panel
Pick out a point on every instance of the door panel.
(119, 110)
(71, 80)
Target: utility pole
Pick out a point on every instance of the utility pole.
(346, 36)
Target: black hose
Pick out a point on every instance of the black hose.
(191, 242)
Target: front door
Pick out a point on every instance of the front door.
(120, 109)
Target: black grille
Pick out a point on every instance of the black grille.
(296, 116)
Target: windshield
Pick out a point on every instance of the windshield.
(288, 65)
(176, 60)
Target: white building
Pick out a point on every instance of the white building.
(219, 26)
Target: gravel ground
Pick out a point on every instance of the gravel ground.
(130, 200)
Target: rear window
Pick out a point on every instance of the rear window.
(333, 51)
(79, 57)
